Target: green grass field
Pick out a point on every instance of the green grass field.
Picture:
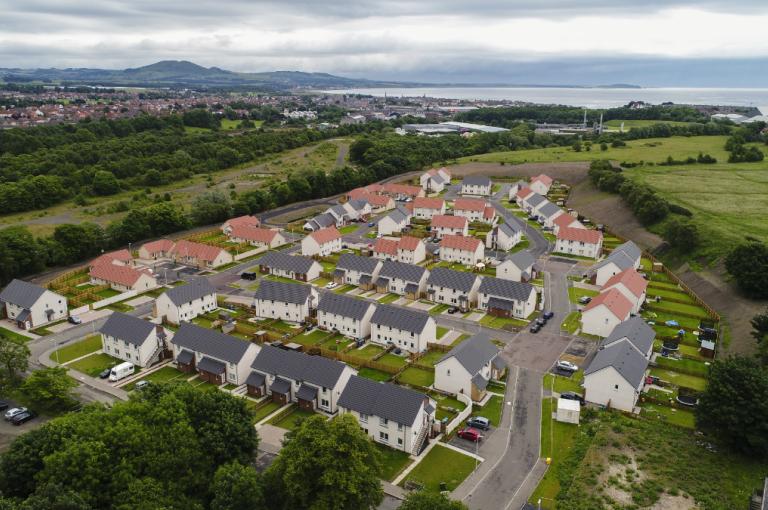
(572, 322)
(491, 410)
(688, 381)
(679, 417)
(265, 410)
(560, 384)
(639, 123)
(393, 462)
(162, 375)
(389, 298)
(556, 441)
(13, 335)
(574, 293)
(92, 365)
(499, 322)
(416, 377)
(442, 465)
(374, 375)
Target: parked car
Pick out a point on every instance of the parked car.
(567, 366)
(104, 373)
(331, 285)
(541, 321)
(3, 405)
(548, 315)
(535, 328)
(453, 310)
(14, 411)
(470, 434)
(22, 418)
(74, 319)
(479, 422)
(246, 275)
(584, 300)
(141, 385)
(572, 395)
(371, 224)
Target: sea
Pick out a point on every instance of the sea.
(583, 97)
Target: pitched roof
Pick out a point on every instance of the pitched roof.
(401, 189)
(119, 255)
(408, 243)
(283, 292)
(387, 246)
(325, 235)
(298, 366)
(463, 243)
(535, 199)
(473, 353)
(522, 193)
(508, 289)
(358, 204)
(384, 400)
(489, 212)
(629, 363)
(580, 235)
(476, 180)
(458, 280)
(398, 216)
(510, 229)
(378, 200)
(161, 245)
(635, 330)
(193, 289)
(200, 251)
(631, 279)
(240, 221)
(444, 221)
(350, 261)
(209, 342)
(293, 263)
(122, 275)
(614, 301)
(522, 259)
(469, 204)
(323, 220)
(428, 203)
(564, 220)
(344, 306)
(624, 256)
(21, 293)
(549, 209)
(544, 179)
(400, 318)
(127, 328)
(259, 235)
(401, 270)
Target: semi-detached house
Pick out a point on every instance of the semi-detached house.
(476, 185)
(321, 242)
(503, 236)
(154, 250)
(518, 267)
(314, 382)
(392, 223)
(30, 306)
(240, 221)
(202, 256)
(435, 180)
(389, 414)
(454, 288)
(548, 213)
(134, 340)
(185, 302)
(541, 184)
(407, 249)
(294, 267)
(291, 302)
(625, 256)
(409, 330)
(349, 316)
(217, 358)
(506, 298)
(425, 208)
(580, 242)
(474, 209)
(408, 280)
(605, 312)
(533, 203)
(463, 250)
(357, 270)
(122, 278)
(255, 236)
(468, 367)
(631, 284)
(566, 221)
(449, 225)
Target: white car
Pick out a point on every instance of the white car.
(567, 366)
(331, 285)
(13, 412)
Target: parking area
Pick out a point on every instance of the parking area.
(535, 351)
(471, 446)
(10, 432)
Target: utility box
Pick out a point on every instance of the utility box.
(568, 411)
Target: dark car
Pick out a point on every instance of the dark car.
(22, 418)
(371, 224)
(479, 422)
(104, 373)
(535, 328)
(248, 276)
(548, 315)
(73, 319)
(470, 434)
(3, 405)
(453, 310)
(541, 321)
(571, 395)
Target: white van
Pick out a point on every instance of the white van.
(121, 371)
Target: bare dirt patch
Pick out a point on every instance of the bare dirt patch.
(569, 173)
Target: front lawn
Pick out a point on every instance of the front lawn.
(491, 410)
(447, 401)
(107, 293)
(292, 420)
(348, 229)
(441, 464)
(78, 349)
(492, 321)
(574, 293)
(265, 410)
(441, 331)
(374, 375)
(320, 282)
(572, 322)
(162, 375)
(344, 289)
(16, 337)
(389, 298)
(560, 384)
(437, 310)
(393, 462)
(94, 364)
(416, 377)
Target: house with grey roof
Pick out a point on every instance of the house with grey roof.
(392, 223)
(398, 417)
(349, 316)
(340, 214)
(624, 256)
(357, 270)
(407, 280)
(291, 302)
(134, 340)
(615, 376)
(217, 358)
(294, 267)
(635, 331)
(468, 367)
(507, 298)
(515, 188)
(454, 288)
(320, 222)
(314, 382)
(548, 213)
(360, 208)
(476, 185)
(30, 306)
(518, 267)
(533, 202)
(504, 236)
(185, 302)
(403, 328)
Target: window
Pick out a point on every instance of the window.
(324, 403)
(400, 441)
(383, 422)
(399, 427)
(615, 386)
(363, 418)
(384, 437)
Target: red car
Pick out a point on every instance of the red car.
(470, 434)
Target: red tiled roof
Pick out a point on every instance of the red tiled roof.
(544, 179)
(403, 189)
(161, 245)
(523, 192)
(358, 193)
(428, 203)
(464, 243)
(373, 188)
(377, 200)
(489, 213)
(564, 220)
(199, 251)
(631, 279)
(119, 255)
(408, 243)
(325, 235)
(388, 246)
(469, 204)
(240, 221)
(259, 235)
(580, 234)
(123, 275)
(614, 301)
(444, 221)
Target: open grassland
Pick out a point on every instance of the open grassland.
(640, 123)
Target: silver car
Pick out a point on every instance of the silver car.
(14, 411)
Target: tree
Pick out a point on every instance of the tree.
(55, 497)
(79, 241)
(50, 388)
(236, 487)
(14, 358)
(748, 264)
(326, 465)
(760, 333)
(734, 407)
(430, 501)
(105, 183)
(681, 235)
(211, 207)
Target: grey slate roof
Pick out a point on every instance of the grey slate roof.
(405, 212)
(185, 357)
(473, 353)
(501, 304)
(509, 229)
(505, 288)
(339, 211)
(211, 343)
(295, 293)
(408, 272)
(522, 259)
(479, 381)
(397, 216)
(255, 379)
(384, 400)
(298, 366)
(634, 329)
(306, 392)
(212, 366)
(350, 261)
(279, 260)
(400, 318)
(498, 363)
(358, 205)
(629, 363)
(324, 220)
(194, 289)
(343, 305)
(535, 199)
(127, 328)
(280, 386)
(21, 293)
(476, 180)
(458, 280)
(548, 210)
(624, 256)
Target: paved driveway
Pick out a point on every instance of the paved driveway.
(536, 352)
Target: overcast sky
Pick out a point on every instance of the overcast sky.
(647, 42)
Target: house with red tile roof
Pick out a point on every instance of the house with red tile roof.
(322, 242)
(605, 312)
(541, 184)
(255, 236)
(401, 191)
(385, 249)
(202, 256)
(154, 250)
(240, 221)
(474, 209)
(462, 249)
(566, 221)
(122, 278)
(407, 249)
(119, 258)
(449, 225)
(631, 284)
(425, 208)
(379, 203)
(522, 194)
(580, 242)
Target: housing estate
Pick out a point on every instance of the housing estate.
(30, 306)
(468, 367)
(580, 242)
(356, 270)
(321, 242)
(605, 312)
(454, 288)
(443, 225)
(202, 256)
(408, 280)
(476, 185)
(507, 298)
(294, 267)
(291, 302)
(185, 302)
(518, 267)
(410, 330)
(425, 208)
(461, 249)
(134, 340)
(349, 316)
(503, 236)
(474, 209)
(625, 256)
